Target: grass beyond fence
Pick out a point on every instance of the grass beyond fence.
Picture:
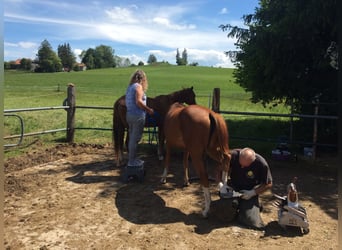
(102, 87)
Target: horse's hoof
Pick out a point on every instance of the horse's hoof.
(205, 215)
(186, 184)
(163, 181)
(161, 158)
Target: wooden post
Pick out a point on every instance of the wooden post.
(216, 100)
(315, 129)
(291, 123)
(71, 102)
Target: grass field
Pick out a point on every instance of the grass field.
(102, 87)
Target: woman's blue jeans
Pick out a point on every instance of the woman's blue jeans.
(136, 125)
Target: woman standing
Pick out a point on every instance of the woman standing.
(136, 113)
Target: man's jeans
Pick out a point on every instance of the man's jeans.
(135, 129)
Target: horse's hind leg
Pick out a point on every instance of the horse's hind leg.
(166, 165)
(161, 140)
(198, 163)
(186, 168)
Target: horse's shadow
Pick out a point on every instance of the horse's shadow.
(141, 205)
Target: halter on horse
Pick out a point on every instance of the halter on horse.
(160, 105)
(199, 131)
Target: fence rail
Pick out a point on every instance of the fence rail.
(315, 117)
(34, 109)
(70, 107)
(9, 112)
(329, 117)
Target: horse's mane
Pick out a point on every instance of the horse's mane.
(175, 94)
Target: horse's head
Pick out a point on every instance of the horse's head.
(186, 95)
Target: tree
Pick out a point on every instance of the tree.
(7, 65)
(126, 62)
(151, 59)
(25, 64)
(282, 55)
(104, 57)
(185, 57)
(100, 57)
(178, 58)
(118, 61)
(182, 60)
(88, 58)
(47, 59)
(66, 55)
(140, 63)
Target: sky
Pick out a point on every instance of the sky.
(134, 29)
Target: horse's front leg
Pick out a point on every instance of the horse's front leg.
(207, 200)
(223, 186)
(166, 165)
(186, 155)
(161, 140)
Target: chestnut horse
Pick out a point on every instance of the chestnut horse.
(160, 105)
(199, 131)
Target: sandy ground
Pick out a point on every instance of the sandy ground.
(73, 197)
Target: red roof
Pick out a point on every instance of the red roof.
(17, 62)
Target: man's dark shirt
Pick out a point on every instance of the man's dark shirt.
(248, 177)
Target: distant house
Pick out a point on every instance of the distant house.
(17, 62)
(81, 66)
(23, 63)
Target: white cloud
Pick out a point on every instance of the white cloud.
(209, 58)
(11, 44)
(223, 11)
(134, 58)
(78, 52)
(24, 45)
(149, 26)
(121, 15)
(167, 23)
(22, 49)
(27, 45)
(203, 57)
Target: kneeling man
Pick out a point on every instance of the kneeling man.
(250, 175)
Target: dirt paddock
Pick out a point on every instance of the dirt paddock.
(72, 197)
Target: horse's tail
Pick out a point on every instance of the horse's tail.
(219, 127)
(118, 129)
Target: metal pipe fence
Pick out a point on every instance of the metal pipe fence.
(70, 108)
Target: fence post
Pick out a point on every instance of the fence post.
(216, 100)
(315, 129)
(71, 102)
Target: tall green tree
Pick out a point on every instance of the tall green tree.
(184, 57)
(47, 59)
(100, 57)
(182, 60)
(151, 59)
(88, 58)
(282, 54)
(104, 57)
(66, 55)
(178, 58)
